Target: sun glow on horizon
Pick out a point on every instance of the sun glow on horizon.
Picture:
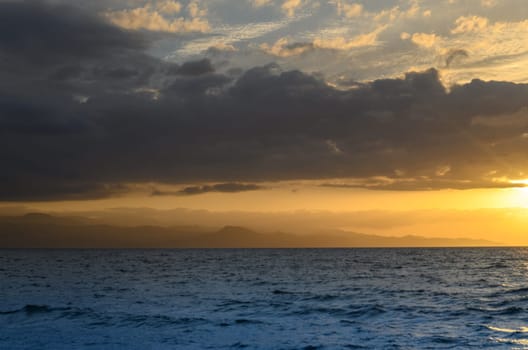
(519, 196)
(302, 196)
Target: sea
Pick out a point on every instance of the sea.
(452, 298)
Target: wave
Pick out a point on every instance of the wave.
(281, 292)
(522, 290)
(242, 321)
(369, 310)
(95, 319)
(512, 310)
(445, 340)
(32, 309)
(239, 345)
(490, 312)
(523, 342)
(321, 298)
(356, 312)
(507, 330)
(158, 321)
(498, 265)
(354, 346)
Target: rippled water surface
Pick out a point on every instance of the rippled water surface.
(264, 299)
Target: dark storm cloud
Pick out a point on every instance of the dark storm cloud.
(40, 33)
(230, 187)
(454, 55)
(423, 184)
(194, 68)
(90, 112)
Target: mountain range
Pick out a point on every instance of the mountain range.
(37, 230)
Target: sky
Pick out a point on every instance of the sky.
(266, 106)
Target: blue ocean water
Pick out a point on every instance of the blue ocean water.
(264, 299)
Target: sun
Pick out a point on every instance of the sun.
(518, 196)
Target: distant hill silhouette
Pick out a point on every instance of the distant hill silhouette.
(45, 231)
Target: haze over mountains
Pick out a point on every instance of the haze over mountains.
(37, 230)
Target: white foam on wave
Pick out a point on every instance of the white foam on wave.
(523, 342)
(508, 330)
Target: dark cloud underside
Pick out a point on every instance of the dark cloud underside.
(230, 187)
(85, 111)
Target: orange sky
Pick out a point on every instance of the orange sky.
(491, 214)
(304, 196)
